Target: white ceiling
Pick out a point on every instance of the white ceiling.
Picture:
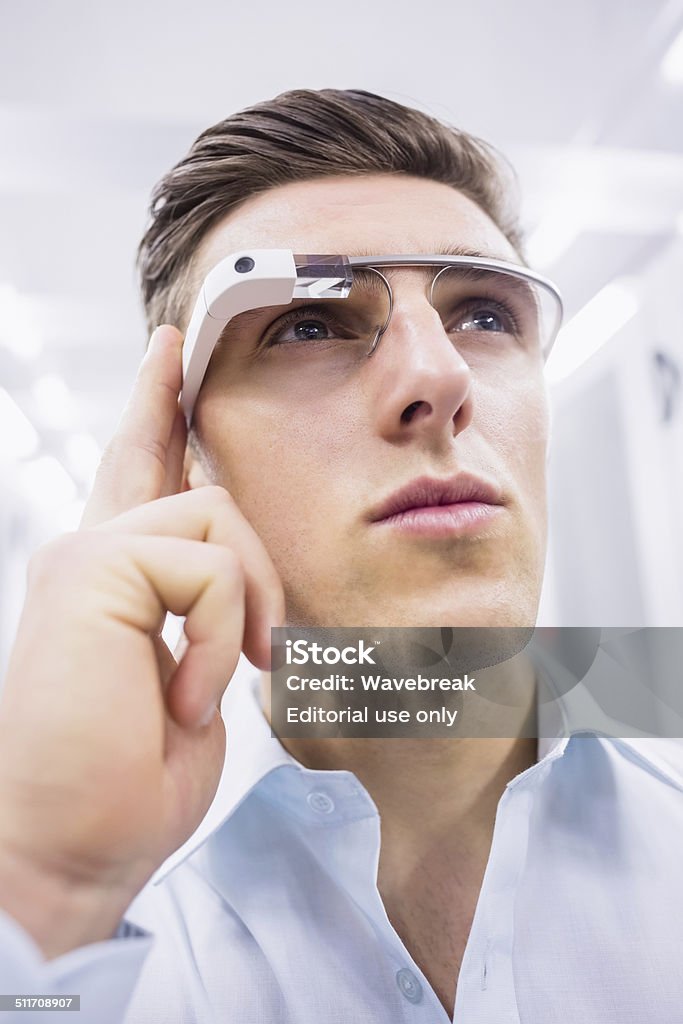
(97, 100)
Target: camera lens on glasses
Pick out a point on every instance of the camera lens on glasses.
(244, 264)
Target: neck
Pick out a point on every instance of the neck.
(427, 787)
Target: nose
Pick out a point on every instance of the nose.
(424, 386)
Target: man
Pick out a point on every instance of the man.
(511, 881)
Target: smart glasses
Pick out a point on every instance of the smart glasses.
(334, 309)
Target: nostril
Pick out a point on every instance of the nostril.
(407, 414)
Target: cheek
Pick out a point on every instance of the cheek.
(280, 459)
(515, 420)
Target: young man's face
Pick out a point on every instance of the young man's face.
(309, 456)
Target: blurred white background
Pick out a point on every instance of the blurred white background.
(98, 100)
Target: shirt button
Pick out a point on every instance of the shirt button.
(320, 802)
(409, 985)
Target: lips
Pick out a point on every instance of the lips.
(427, 492)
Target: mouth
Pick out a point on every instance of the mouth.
(459, 506)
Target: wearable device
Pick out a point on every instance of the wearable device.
(253, 278)
(246, 280)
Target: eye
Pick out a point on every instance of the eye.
(304, 330)
(483, 320)
(302, 325)
(484, 316)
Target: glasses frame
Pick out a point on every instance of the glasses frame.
(478, 262)
(269, 277)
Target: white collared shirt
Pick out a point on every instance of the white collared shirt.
(270, 913)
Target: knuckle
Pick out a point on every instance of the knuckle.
(109, 462)
(124, 488)
(73, 556)
(115, 457)
(56, 559)
(151, 446)
(167, 389)
(50, 559)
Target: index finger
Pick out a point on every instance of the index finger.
(135, 463)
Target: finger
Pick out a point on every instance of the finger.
(194, 761)
(134, 464)
(175, 456)
(211, 514)
(204, 583)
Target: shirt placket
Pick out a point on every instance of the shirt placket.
(485, 992)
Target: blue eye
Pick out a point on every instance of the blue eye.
(303, 325)
(484, 321)
(488, 317)
(305, 329)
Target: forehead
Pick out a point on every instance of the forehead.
(378, 214)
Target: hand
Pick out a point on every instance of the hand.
(110, 751)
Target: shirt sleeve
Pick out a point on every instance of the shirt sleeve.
(104, 974)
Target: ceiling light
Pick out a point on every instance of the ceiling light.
(598, 321)
(671, 68)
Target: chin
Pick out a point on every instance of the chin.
(424, 614)
(495, 603)
(469, 617)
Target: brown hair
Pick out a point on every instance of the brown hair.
(299, 135)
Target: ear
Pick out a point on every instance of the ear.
(194, 474)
